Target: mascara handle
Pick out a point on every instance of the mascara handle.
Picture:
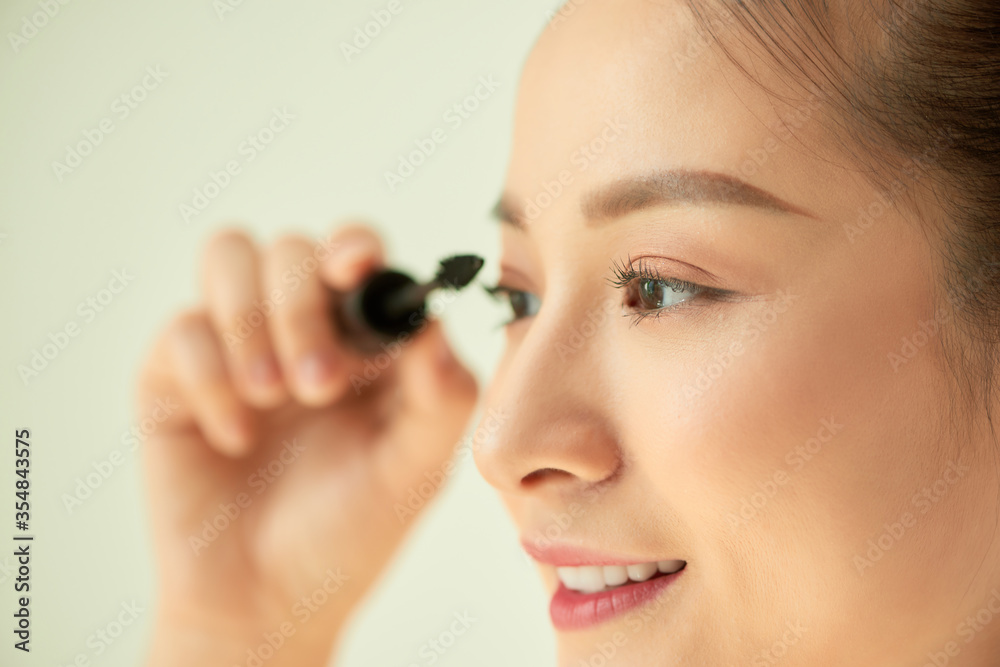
(363, 319)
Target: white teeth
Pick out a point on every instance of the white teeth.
(595, 578)
(569, 576)
(591, 579)
(642, 571)
(615, 575)
(669, 566)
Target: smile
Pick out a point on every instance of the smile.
(596, 586)
(596, 579)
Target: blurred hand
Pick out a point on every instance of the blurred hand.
(274, 484)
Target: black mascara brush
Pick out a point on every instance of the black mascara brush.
(390, 303)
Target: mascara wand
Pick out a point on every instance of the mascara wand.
(391, 304)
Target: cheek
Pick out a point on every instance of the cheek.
(791, 439)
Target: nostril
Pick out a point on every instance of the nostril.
(537, 476)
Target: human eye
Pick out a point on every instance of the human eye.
(650, 293)
(522, 303)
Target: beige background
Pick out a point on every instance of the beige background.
(119, 210)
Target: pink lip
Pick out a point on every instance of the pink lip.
(562, 555)
(571, 610)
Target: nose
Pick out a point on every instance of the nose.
(556, 433)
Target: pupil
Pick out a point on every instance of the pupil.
(651, 292)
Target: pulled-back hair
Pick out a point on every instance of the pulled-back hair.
(911, 90)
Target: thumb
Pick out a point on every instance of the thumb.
(436, 396)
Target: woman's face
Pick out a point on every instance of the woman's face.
(781, 422)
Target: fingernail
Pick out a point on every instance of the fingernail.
(264, 371)
(316, 369)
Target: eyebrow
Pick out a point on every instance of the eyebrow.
(662, 188)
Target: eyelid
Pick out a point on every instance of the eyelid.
(628, 274)
(648, 267)
(500, 288)
(515, 279)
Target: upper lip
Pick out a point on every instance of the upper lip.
(565, 555)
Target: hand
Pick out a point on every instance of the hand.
(276, 480)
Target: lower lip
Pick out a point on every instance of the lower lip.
(571, 610)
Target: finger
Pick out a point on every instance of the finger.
(314, 366)
(436, 396)
(231, 283)
(158, 407)
(356, 251)
(203, 382)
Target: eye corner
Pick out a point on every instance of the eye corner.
(523, 303)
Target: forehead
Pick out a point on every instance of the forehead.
(623, 87)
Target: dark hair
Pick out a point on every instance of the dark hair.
(912, 91)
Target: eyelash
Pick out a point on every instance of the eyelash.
(626, 275)
(629, 274)
(502, 292)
